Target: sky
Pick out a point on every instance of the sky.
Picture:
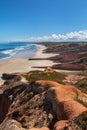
(43, 20)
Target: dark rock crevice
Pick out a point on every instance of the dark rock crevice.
(5, 103)
(27, 106)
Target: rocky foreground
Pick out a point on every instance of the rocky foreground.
(40, 100)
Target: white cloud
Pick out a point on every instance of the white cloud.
(72, 36)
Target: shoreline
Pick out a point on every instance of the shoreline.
(23, 65)
(15, 65)
(24, 54)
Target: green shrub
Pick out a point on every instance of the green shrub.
(84, 73)
(82, 85)
(82, 121)
(38, 75)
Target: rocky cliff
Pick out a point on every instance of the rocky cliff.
(41, 105)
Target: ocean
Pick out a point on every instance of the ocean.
(17, 50)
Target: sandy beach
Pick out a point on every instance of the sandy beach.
(24, 65)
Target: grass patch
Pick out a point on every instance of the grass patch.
(40, 75)
(82, 85)
(84, 73)
(81, 60)
(82, 121)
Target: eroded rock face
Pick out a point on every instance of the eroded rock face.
(14, 125)
(63, 93)
(34, 111)
(7, 76)
(11, 125)
(5, 103)
(62, 99)
(60, 125)
(39, 105)
(66, 125)
(69, 66)
(28, 107)
(43, 85)
(69, 109)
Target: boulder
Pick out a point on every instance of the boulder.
(60, 125)
(7, 76)
(15, 125)
(66, 125)
(48, 69)
(11, 125)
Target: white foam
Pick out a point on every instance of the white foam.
(7, 51)
(18, 51)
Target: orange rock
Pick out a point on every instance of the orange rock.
(43, 85)
(48, 69)
(60, 125)
(43, 128)
(62, 99)
(62, 93)
(67, 110)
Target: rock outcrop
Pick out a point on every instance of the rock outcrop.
(28, 105)
(14, 125)
(69, 66)
(40, 105)
(48, 69)
(66, 125)
(11, 125)
(7, 76)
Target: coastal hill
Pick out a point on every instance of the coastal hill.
(71, 56)
(46, 100)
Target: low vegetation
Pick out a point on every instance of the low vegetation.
(39, 75)
(82, 85)
(82, 121)
(84, 73)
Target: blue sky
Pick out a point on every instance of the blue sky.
(42, 19)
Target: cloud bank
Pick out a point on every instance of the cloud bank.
(72, 36)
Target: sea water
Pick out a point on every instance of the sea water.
(17, 50)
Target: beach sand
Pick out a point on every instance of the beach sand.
(24, 65)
